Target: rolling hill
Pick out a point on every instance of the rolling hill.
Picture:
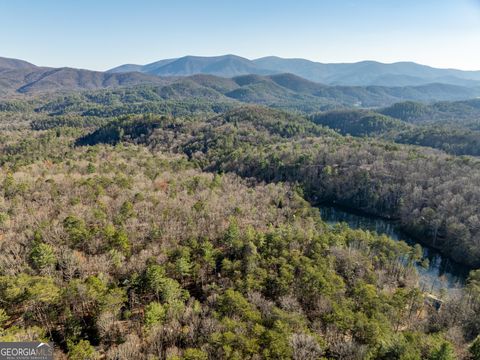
(21, 77)
(359, 122)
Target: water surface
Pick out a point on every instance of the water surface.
(441, 272)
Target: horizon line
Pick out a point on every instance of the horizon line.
(249, 59)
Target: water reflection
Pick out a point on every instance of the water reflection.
(441, 272)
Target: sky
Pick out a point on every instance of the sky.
(101, 34)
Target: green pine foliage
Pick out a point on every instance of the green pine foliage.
(195, 237)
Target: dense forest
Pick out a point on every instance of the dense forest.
(467, 111)
(136, 227)
(434, 195)
(406, 124)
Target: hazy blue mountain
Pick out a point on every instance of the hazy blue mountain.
(126, 68)
(226, 66)
(370, 73)
(149, 68)
(365, 73)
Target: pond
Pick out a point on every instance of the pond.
(441, 273)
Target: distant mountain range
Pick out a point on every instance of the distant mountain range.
(171, 82)
(365, 73)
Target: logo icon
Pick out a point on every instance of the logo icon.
(26, 351)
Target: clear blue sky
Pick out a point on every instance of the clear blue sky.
(100, 34)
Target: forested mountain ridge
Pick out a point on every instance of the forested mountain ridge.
(365, 73)
(280, 90)
(457, 112)
(360, 122)
(449, 126)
